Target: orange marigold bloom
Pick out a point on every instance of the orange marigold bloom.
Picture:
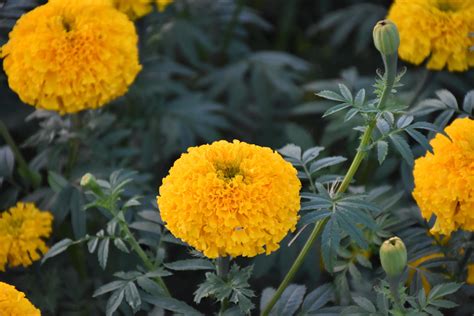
(444, 181)
(438, 30)
(14, 302)
(22, 229)
(230, 199)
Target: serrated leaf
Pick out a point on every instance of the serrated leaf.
(336, 108)
(314, 217)
(57, 248)
(420, 139)
(190, 264)
(121, 245)
(109, 287)
(171, 304)
(330, 95)
(92, 244)
(404, 121)
(345, 92)
(383, 126)
(403, 148)
(330, 240)
(325, 162)
(153, 216)
(316, 299)
(350, 227)
(56, 181)
(444, 289)
(311, 154)
(146, 226)
(468, 104)
(364, 303)
(382, 150)
(448, 98)
(7, 161)
(290, 300)
(132, 297)
(266, 296)
(114, 302)
(360, 98)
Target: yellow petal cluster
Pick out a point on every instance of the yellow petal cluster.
(134, 8)
(438, 30)
(14, 302)
(68, 55)
(444, 181)
(22, 229)
(230, 199)
(162, 4)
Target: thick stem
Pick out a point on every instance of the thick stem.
(390, 63)
(143, 256)
(24, 169)
(394, 286)
(222, 271)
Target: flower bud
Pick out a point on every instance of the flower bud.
(393, 256)
(386, 37)
(88, 181)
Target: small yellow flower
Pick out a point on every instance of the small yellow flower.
(22, 228)
(438, 30)
(69, 56)
(134, 8)
(162, 4)
(14, 302)
(444, 181)
(230, 199)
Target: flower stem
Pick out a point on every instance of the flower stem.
(24, 169)
(390, 63)
(143, 256)
(222, 271)
(394, 286)
(74, 144)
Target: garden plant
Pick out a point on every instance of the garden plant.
(231, 157)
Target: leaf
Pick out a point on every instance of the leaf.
(360, 98)
(403, 148)
(146, 226)
(57, 249)
(444, 289)
(383, 126)
(290, 300)
(330, 95)
(56, 181)
(364, 303)
(190, 264)
(109, 287)
(382, 150)
(420, 139)
(7, 162)
(78, 215)
(336, 109)
(153, 216)
(317, 299)
(311, 154)
(266, 296)
(92, 244)
(133, 297)
(103, 252)
(351, 228)
(121, 245)
(468, 104)
(171, 304)
(447, 98)
(346, 93)
(404, 121)
(114, 302)
(330, 240)
(314, 217)
(292, 151)
(325, 162)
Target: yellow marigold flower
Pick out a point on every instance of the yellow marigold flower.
(470, 274)
(230, 199)
(68, 56)
(22, 228)
(435, 29)
(134, 8)
(14, 302)
(444, 181)
(162, 4)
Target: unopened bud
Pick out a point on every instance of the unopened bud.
(386, 37)
(88, 181)
(393, 256)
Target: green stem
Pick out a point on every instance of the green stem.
(390, 63)
(394, 286)
(222, 271)
(24, 169)
(143, 256)
(74, 144)
(311, 182)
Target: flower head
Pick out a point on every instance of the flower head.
(393, 256)
(14, 302)
(22, 228)
(230, 199)
(435, 29)
(68, 56)
(444, 181)
(134, 8)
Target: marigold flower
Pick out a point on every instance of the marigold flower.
(134, 8)
(68, 56)
(470, 274)
(230, 199)
(162, 4)
(22, 228)
(444, 181)
(435, 29)
(14, 302)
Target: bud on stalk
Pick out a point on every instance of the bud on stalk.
(88, 181)
(386, 37)
(393, 256)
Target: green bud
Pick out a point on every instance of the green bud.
(88, 181)
(393, 256)
(386, 37)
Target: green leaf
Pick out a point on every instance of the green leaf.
(345, 92)
(325, 162)
(336, 109)
(448, 98)
(351, 228)
(7, 162)
(57, 249)
(121, 245)
(146, 226)
(92, 244)
(383, 126)
(171, 304)
(313, 217)
(290, 300)
(330, 95)
(382, 150)
(103, 252)
(56, 181)
(153, 216)
(403, 148)
(114, 302)
(468, 104)
(360, 98)
(133, 297)
(190, 264)
(444, 289)
(316, 299)
(109, 287)
(330, 240)
(404, 121)
(364, 303)
(420, 139)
